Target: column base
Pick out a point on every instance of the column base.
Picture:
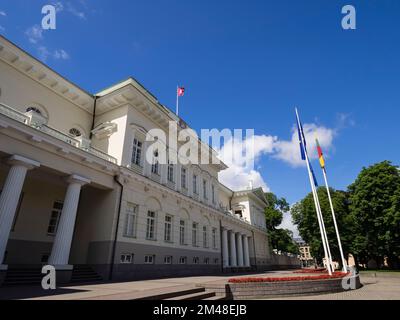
(3, 273)
(63, 274)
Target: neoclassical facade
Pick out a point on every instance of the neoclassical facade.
(76, 188)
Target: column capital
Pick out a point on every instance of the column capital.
(22, 161)
(74, 178)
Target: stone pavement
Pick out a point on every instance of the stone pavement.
(379, 287)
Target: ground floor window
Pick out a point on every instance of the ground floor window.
(196, 260)
(206, 260)
(149, 259)
(216, 261)
(55, 218)
(150, 228)
(182, 232)
(130, 221)
(168, 260)
(182, 260)
(126, 258)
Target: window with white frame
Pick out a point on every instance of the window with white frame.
(183, 260)
(182, 239)
(196, 260)
(130, 220)
(206, 260)
(137, 152)
(183, 178)
(214, 238)
(205, 195)
(126, 258)
(150, 227)
(149, 259)
(155, 167)
(205, 237)
(195, 191)
(170, 174)
(54, 218)
(168, 228)
(168, 260)
(194, 234)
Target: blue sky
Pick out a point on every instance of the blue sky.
(245, 64)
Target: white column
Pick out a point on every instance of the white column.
(146, 163)
(233, 250)
(190, 180)
(62, 244)
(178, 177)
(128, 149)
(239, 249)
(225, 252)
(246, 251)
(10, 196)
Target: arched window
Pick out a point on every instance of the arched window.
(34, 110)
(75, 132)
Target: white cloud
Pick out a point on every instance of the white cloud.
(60, 54)
(74, 11)
(34, 34)
(2, 29)
(289, 151)
(242, 170)
(2, 13)
(287, 223)
(59, 6)
(43, 53)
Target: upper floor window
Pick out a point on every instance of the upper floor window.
(131, 220)
(137, 152)
(213, 193)
(182, 232)
(34, 109)
(205, 196)
(194, 234)
(183, 178)
(75, 132)
(205, 237)
(155, 167)
(195, 191)
(168, 228)
(170, 172)
(151, 224)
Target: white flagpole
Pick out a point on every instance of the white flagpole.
(326, 236)
(334, 222)
(316, 203)
(177, 101)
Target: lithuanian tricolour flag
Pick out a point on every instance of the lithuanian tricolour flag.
(320, 154)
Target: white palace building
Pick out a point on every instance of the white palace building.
(76, 192)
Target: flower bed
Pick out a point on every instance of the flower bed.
(335, 275)
(320, 270)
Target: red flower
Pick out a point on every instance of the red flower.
(335, 275)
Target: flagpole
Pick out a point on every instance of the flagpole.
(177, 101)
(334, 221)
(315, 197)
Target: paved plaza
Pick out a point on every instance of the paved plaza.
(376, 286)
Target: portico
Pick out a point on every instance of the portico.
(235, 249)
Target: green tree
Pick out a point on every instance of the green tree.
(305, 217)
(280, 239)
(375, 209)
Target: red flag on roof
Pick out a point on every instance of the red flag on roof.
(181, 91)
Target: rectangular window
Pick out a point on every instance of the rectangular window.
(183, 178)
(168, 228)
(182, 233)
(130, 220)
(137, 152)
(206, 260)
(196, 260)
(194, 234)
(183, 260)
(126, 258)
(216, 261)
(170, 172)
(195, 191)
(205, 237)
(168, 260)
(149, 259)
(214, 238)
(213, 193)
(55, 218)
(151, 223)
(155, 164)
(205, 196)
